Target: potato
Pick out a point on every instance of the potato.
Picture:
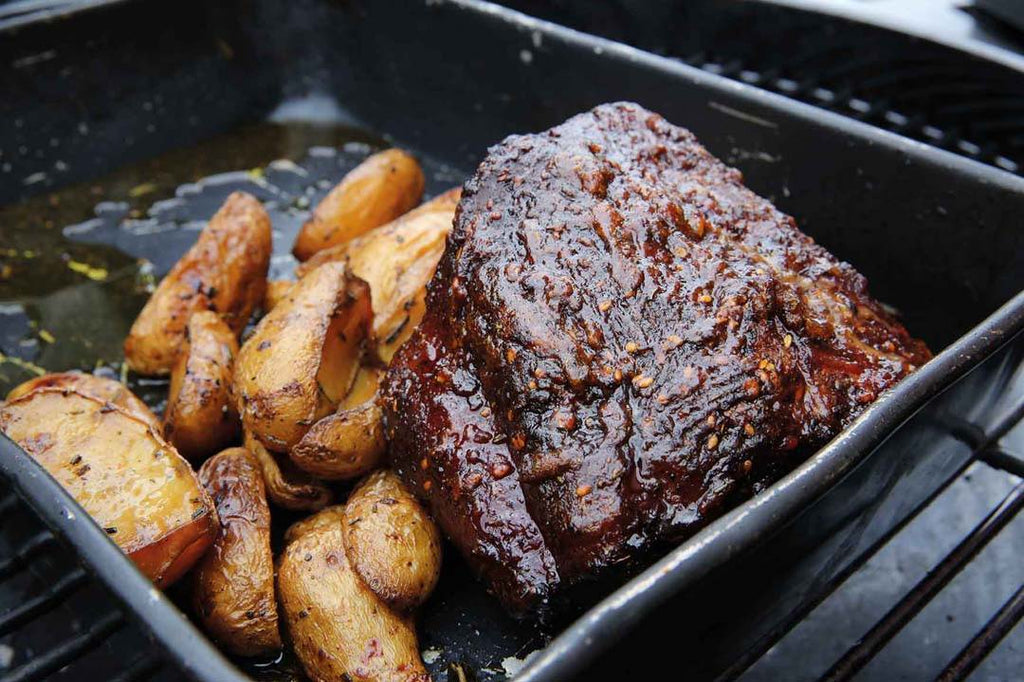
(200, 418)
(340, 629)
(397, 260)
(98, 387)
(233, 584)
(132, 482)
(392, 542)
(375, 192)
(277, 291)
(350, 442)
(303, 357)
(287, 487)
(225, 271)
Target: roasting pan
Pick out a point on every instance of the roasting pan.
(106, 111)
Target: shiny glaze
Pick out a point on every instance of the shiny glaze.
(635, 339)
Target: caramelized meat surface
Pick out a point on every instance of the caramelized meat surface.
(621, 340)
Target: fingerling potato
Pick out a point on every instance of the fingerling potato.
(340, 629)
(350, 442)
(397, 260)
(303, 357)
(277, 291)
(377, 191)
(233, 584)
(129, 479)
(225, 271)
(200, 418)
(392, 542)
(287, 487)
(99, 387)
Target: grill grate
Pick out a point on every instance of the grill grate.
(56, 621)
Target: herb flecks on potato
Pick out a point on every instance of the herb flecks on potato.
(200, 418)
(375, 192)
(130, 480)
(225, 271)
(349, 443)
(233, 584)
(341, 629)
(303, 356)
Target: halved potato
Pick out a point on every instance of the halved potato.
(132, 482)
(303, 357)
(225, 271)
(375, 192)
(277, 291)
(340, 629)
(99, 387)
(233, 585)
(287, 486)
(397, 260)
(392, 542)
(350, 442)
(200, 418)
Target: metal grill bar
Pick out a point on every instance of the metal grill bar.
(1001, 459)
(861, 653)
(982, 645)
(69, 650)
(47, 600)
(26, 551)
(139, 669)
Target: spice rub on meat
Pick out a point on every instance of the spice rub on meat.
(622, 339)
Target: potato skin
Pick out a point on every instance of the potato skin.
(396, 260)
(233, 584)
(200, 418)
(277, 291)
(287, 487)
(350, 442)
(225, 271)
(392, 542)
(340, 629)
(99, 387)
(132, 482)
(301, 360)
(377, 191)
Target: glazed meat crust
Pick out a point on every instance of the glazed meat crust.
(621, 338)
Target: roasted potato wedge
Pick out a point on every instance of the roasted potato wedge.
(397, 260)
(350, 442)
(303, 357)
(277, 291)
(98, 387)
(132, 482)
(200, 418)
(225, 271)
(233, 584)
(375, 192)
(287, 486)
(340, 629)
(392, 542)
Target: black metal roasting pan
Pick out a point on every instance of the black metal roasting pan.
(85, 94)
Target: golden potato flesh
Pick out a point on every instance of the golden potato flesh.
(397, 260)
(98, 387)
(303, 357)
(277, 291)
(288, 487)
(132, 482)
(233, 584)
(200, 418)
(340, 629)
(392, 542)
(350, 442)
(225, 271)
(375, 192)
